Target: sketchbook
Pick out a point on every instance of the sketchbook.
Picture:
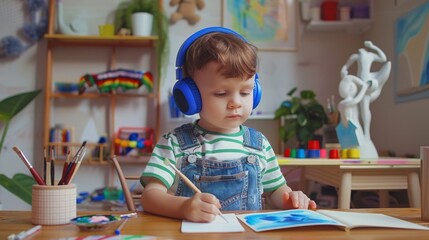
(217, 225)
(303, 217)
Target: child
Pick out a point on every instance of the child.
(233, 166)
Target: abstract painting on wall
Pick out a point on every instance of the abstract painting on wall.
(411, 69)
(270, 25)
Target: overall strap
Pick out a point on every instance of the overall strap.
(252, 138)
(186, 136)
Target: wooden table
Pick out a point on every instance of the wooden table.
(353, 174)
(167, 228)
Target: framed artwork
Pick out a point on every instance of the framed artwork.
(411, 54)
(270, 25)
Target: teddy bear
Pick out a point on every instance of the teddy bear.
(186, 10)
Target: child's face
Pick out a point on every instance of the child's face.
(227, 102)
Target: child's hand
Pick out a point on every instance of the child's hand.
(202, 207)
(297, 199)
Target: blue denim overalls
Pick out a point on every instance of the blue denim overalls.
(236, 183)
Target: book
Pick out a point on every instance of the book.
(216, 226)
(302, 217)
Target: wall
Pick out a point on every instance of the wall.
(314, 66)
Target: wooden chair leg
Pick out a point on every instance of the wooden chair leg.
(128, 198)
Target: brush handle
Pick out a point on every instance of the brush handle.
(185, 179)
(37, 177)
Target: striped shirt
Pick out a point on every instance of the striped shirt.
(213, 146)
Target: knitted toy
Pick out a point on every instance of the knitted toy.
(186, 10)
(35, 26)
(109, 81)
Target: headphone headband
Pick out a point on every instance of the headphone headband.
(181, 54)
(186, 94)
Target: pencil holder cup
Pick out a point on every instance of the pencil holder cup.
(53, 205)
(424, 176)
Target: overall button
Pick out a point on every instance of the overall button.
(192, 158)
(251, 159)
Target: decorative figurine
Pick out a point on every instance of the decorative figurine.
(187, 10)
(358, 92)
(75, 27)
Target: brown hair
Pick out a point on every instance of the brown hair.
(236, 57)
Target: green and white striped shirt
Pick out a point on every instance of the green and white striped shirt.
(213, 146)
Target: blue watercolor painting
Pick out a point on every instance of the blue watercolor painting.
(412, 54)
(285, 219)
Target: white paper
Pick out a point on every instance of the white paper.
(355, 219)
(217, 225)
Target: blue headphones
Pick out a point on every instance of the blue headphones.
(185, 91)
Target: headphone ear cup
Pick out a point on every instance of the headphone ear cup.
(187, 96)
(257, 92)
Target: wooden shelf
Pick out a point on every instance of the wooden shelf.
(102, 41)
(262, 117)
(98, 154)
(102, 95)
(101, 158)
(133, 159)
(352, 26)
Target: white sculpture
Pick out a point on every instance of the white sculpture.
(358, 92)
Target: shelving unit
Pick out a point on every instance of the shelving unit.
(112, 44)
(354, 25)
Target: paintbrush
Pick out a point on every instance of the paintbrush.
(44, 164)
(52, 158)
(71, 166)
(79, 161)
(33, 171)
(187, 181)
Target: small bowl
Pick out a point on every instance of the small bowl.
(95, 222)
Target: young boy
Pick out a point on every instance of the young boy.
(233, 166)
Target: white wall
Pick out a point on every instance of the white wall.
(314, 66)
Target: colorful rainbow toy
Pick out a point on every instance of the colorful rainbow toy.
(109, 81)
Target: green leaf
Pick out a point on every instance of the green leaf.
(26, 181)
(291, 92)
(20, 185)
(307, 94)
(302, 119)
(304, 134)
(11, 106)
(281, 112)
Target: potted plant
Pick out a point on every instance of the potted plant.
(302, 116)
(20, 184)
(123, 19)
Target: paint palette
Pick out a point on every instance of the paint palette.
(95, 222)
